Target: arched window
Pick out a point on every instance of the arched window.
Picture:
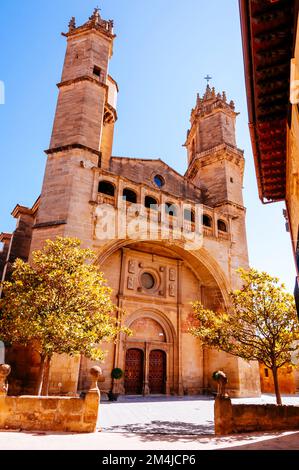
(189, 215)
(221, 226)
(170, 209)
(206, 220)
(150, 202)
(129, 195)
(105, 187)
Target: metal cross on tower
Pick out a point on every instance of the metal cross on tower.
(208, 78)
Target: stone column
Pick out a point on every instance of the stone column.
(179, 328)
(145, 387)
(92, 400)
(214, 225)
(118, 385)
(167, 385)
(205, 352)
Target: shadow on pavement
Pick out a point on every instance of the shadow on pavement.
(156, 428)
(251, 441)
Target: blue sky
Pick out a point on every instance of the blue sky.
(163, 50)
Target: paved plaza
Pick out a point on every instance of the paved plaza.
(157, 423)
(159, 415)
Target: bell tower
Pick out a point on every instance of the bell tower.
(82, 134)
(87, 94)
(216, 165)
(214, 161)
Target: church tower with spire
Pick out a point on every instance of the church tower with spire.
(214, 161)
(216, 165)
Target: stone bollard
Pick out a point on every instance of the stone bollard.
(220, 377)
(92, 400)
(223, 415)
(4, 373)
(96, 376)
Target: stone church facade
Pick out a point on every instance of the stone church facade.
(155, 274)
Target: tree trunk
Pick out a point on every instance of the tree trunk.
(40, 375)
(45, 386)
(276, 385)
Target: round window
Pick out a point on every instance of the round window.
(147, 281)
(159, 181)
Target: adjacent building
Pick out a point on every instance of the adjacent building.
(271, 59)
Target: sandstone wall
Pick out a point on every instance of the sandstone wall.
(143, 171)
(286, 378)
(246, 418)
(64, 414)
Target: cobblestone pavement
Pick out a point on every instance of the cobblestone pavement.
(156, 423)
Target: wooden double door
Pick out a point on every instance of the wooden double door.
(134, 371)
(135, 376)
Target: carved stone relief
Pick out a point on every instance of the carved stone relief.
(131, 266)
(172, 274)
(130, 282)
(172, 289)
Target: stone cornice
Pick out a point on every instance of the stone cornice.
(4, 236)
(21, 210)
(64, 148)
(218, 153)
(146, 298)
(50, 223)
(35, 206)
(213, 110)
(83, 78)
(230, 203)
(87, 28)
